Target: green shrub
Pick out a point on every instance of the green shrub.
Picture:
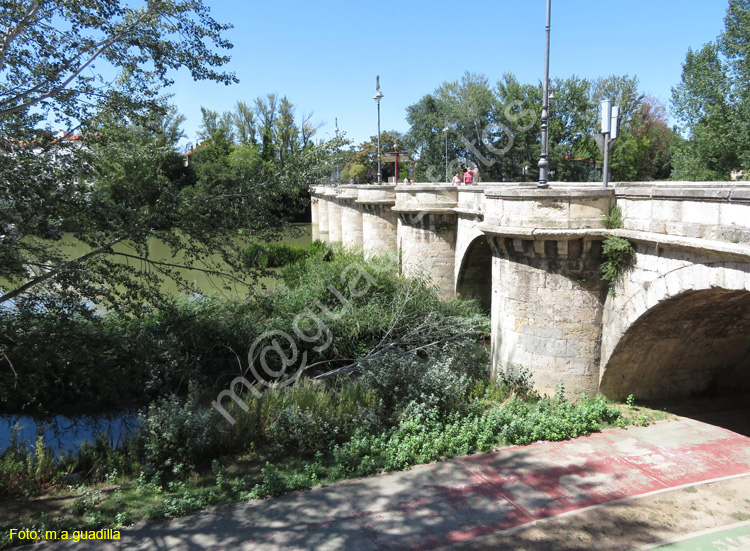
(613, 219)
(275, 255)
(274, 483)
(203, 344)
(176, 437)
(424, 435)
(399, 378)
(517, 381)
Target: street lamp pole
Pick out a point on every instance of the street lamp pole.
(544, 160)
(445, 129)
(336, 130)
(378, 96)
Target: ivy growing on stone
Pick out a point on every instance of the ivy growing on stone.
(616, 251)
(617, 254)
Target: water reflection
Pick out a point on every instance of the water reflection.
(64, 435)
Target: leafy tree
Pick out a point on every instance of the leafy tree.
(50, 52)
(120, 181)
(428, 118)
(366, 155)
(571, 130)
(644, 149)
(641, 151)
(712, 102)
(469, 110)
(521, 110)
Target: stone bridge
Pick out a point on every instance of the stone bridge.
(677, 324)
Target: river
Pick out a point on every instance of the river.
(201, 281)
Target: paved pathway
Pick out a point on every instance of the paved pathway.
(461, 501)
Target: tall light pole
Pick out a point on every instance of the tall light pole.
(445, 130)
(336, 130)
(544, 160)
(378, 96)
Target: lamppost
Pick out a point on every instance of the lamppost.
(336, 130)
(544, 160)
(445, 130)
(378, 96)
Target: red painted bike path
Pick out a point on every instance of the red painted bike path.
(436, 505)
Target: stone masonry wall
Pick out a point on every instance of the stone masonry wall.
(322, 217)
(379, 229)
(427, 245)
(351, 223)
(334, 218)
(546, 311)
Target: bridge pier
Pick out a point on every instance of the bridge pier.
(427, 232)
(379, 222)
(314, 214)
(351, 217)
(334, 215)
(322, 203)
(547, 291)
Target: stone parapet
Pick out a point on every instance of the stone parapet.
(471, 199)
(426, 198)
(560, 208)
(716, 212)
(349, 192)
(377, 195)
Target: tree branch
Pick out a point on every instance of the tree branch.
(100, 48)
(11, 35)
(53, 273)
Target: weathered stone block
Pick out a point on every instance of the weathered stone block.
(700, 212)
(737, 214)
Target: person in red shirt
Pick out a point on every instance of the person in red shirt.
(468, 177)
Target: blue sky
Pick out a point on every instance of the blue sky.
(324, 55)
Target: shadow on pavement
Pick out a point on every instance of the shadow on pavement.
(731, 412)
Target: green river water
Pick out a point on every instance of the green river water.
(202, 282)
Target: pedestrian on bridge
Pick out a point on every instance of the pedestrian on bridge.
(468, 176)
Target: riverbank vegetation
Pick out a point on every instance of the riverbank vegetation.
(404, 380)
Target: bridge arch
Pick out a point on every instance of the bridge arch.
(685, 332)
(474, 273)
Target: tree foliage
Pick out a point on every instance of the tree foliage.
(59, 55)
(712, 102)
(361, 162)
(119, 181)
(498, 129)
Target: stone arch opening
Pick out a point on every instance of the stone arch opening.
(475, 275)
(691, 345)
